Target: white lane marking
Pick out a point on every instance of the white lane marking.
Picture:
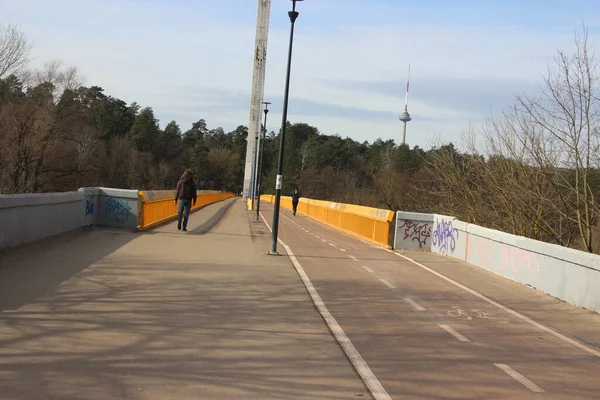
(367, 269)
(492, 302)
(324, 241)
(361, 367)
(526, 382)
(353, 258)
(454, 333)
(386, 283)
(342, 249)
(414, 304)
(350, 237)
(508, 310)
(332, 245)
(318, 237)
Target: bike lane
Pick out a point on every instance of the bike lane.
(424, 337)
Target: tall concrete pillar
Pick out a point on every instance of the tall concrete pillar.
(258, 88)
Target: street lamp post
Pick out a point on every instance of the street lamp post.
(262, 159)
(254, 166)
(278, 185)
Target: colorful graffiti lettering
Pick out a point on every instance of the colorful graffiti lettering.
(416, 232)
(89, 208)
(117, 210)
(518, 259)
(445, 236)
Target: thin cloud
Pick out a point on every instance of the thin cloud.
(193, 59)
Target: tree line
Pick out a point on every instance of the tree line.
(532, 171)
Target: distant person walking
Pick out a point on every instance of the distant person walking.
(186, 194)
(295, 200)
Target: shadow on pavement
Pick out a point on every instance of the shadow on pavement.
(187, 336)
(170, 331)
(32, 270)
(212, 221)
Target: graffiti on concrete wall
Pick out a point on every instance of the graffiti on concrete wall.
(117, 210)
(416, 232)
(379, 214)
(479, 251)
(519, 260)
(89, 207)
(445, 236)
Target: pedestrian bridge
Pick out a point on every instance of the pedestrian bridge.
(101, 297)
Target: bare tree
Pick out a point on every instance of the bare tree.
(62, 78)
(14, 50)
(457, 185)
(45, 140)
(552, 141)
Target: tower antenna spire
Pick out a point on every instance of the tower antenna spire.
(405, 117)
(407, 88)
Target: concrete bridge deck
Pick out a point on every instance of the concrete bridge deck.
(207, 314)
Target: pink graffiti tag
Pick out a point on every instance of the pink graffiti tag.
(517, 259)
(482, 247)
(416, 232)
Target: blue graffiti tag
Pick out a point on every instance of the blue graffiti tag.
(89, 208)
(117, 210)
(444, 236)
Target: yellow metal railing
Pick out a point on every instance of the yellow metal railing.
(371, 224)
(155, 212)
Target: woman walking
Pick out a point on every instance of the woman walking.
(186, 194)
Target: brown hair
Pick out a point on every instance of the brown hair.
(187, 174)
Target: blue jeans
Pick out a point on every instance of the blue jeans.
(185, 205)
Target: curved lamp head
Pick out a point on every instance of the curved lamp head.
(266, 103)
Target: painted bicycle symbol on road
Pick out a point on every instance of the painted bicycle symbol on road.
(457, 312)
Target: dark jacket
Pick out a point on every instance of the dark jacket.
(186, 189)
(295, 197)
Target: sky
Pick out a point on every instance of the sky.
(192, 59)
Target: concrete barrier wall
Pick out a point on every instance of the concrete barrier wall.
(567, 274)
(118, 208)
(26, 218)
(447, 237)
(413, 231)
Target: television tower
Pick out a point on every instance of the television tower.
(405, 117)
(258, 88)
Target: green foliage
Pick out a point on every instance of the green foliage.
(169, 143)
(11, 88)
(53, 141)
(145, 130)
